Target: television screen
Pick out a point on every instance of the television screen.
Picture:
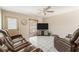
(42, 26)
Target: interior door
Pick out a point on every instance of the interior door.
(12, 25)
(32, 27)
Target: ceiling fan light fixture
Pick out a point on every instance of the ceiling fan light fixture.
(46, 10)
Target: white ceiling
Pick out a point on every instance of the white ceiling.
(34, 10)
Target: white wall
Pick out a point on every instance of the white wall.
(0, 19)
(63, 24)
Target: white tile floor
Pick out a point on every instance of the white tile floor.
(46, 43)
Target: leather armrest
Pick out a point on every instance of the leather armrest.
(16, 36)
(21, 46)
(3, 48)
(17, 40)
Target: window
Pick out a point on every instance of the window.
(12, 23)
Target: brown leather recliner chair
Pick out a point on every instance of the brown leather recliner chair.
(17, 43)
(67, 44)
(77, 44)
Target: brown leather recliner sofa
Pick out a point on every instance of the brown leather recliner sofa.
(67, 44)
(15, 43)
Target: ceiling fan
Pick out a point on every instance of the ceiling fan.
(46, 10)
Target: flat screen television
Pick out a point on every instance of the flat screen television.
(42, 26)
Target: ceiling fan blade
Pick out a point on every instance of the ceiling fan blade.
(48, 7)
(49, 11)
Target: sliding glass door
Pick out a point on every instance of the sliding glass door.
(32, 27)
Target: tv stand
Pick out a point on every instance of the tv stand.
(42, 33)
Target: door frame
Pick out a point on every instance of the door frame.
(29, 24)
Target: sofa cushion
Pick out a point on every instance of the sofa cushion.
(69, 36)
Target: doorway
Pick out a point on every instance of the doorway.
(32, 27)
